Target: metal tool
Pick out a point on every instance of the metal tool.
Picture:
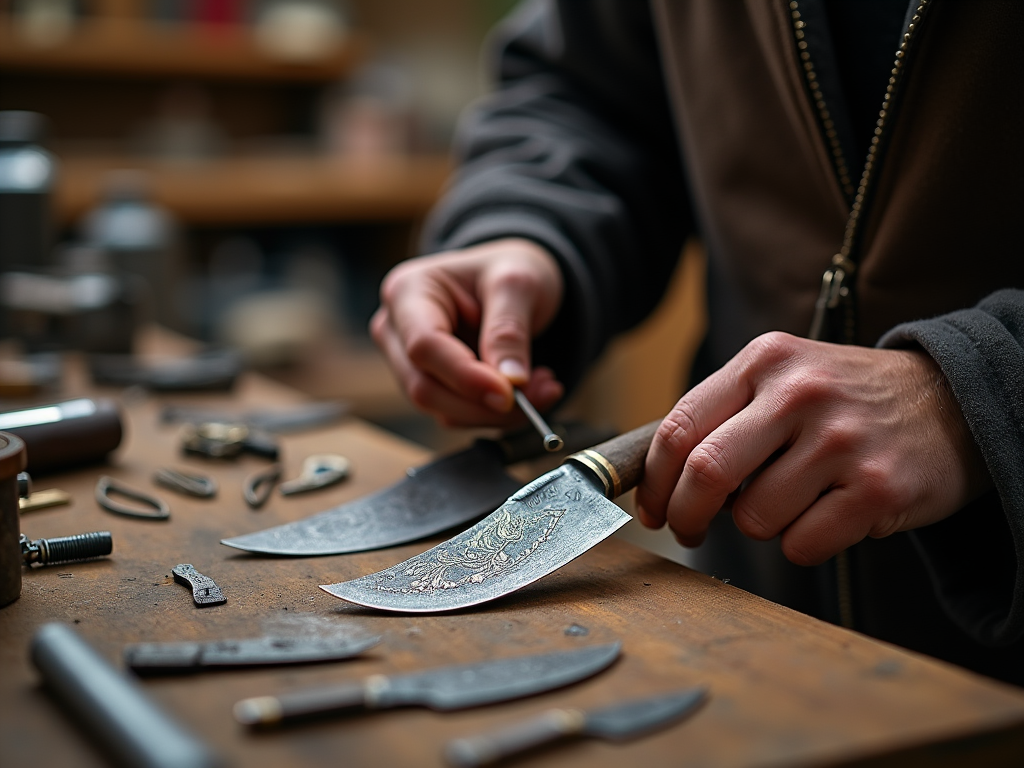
(107, 485)
(190, 483)
(552, 441)
(153, 658)
(205, 591)
(318, 471)
(541, 527)
(217, 440)
(447, 492)
(66, 434)
(293, 419)
(51, 497)
(257, 488)
(618, 722)
(112, 707)
(66, 549)
(446, 688)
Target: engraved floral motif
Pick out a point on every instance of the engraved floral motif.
(490, 553)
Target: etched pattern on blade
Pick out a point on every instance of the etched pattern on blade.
(546, 524)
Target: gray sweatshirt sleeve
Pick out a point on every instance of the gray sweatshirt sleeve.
(975, 556)
(577, 151)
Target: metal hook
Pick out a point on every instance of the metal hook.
(258, 487)
(193, 484)
(107, 485)
(318, 471)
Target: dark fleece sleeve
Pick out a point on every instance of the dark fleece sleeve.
(577, 151)
(975, 556)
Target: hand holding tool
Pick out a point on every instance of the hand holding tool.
(615, 723)
(552, 442)
(543, 526)
(446, 688)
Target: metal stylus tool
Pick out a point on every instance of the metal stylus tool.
(552, 442)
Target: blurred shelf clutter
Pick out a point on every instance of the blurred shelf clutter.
(240, 171)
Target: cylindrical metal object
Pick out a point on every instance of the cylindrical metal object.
(67, 549)
(12, 461)
(66, 434)
(112, 706)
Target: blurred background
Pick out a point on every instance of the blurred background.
(243, 173)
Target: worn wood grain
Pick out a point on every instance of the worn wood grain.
(785, 689)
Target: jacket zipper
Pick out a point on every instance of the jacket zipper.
(836, 281)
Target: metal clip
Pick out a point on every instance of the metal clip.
(318, 472)
(197, 485)
(204, 589)
(107, 485)
(257, 488)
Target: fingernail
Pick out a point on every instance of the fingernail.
(514, 371)
(497, 402)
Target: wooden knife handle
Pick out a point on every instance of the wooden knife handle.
(270, 711)
(618, 463)
(492, 747)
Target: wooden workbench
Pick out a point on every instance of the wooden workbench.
(785, 689)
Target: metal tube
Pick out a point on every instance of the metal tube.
(112, 706)
(552, 442)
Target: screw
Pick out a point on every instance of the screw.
(66, 549)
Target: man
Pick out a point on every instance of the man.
(885, 458)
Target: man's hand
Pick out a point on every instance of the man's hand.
(456, 328)
(825, 444)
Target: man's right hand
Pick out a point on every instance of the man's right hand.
(456, 328)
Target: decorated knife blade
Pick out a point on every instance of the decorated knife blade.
(540, 528)
(615, 723)
(445, 688)
(153, 658)
(438, 496)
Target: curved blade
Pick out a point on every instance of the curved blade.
(443, 494)
(472, 685)
(549, 522)
(640, 716)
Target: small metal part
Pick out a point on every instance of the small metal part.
(204, 589)
(51, 497)
(24, 485)
(219, 440)
(189, 483)
(258, 487)
(66, 549)
(552, 441)
(318, 471)
(106, 485)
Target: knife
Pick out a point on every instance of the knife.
(443, 494)
(618, 722)
(150, 658)
(444, 688)
(540, 528)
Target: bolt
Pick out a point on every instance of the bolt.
(66, 549)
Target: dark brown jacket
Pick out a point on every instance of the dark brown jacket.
(619, 130)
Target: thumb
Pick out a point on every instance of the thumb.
(505, 330)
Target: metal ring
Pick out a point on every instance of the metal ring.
(258, 487)
(106, 485)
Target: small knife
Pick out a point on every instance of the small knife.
(154, 658)
(445, 493)
(618, 722)
(540, 528)
(445, 688)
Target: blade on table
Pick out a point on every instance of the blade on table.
(443, 494)
(549, 522)
(474, 685)
(634, 718)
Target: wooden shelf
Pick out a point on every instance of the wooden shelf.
(268, 190)
(134, 48)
